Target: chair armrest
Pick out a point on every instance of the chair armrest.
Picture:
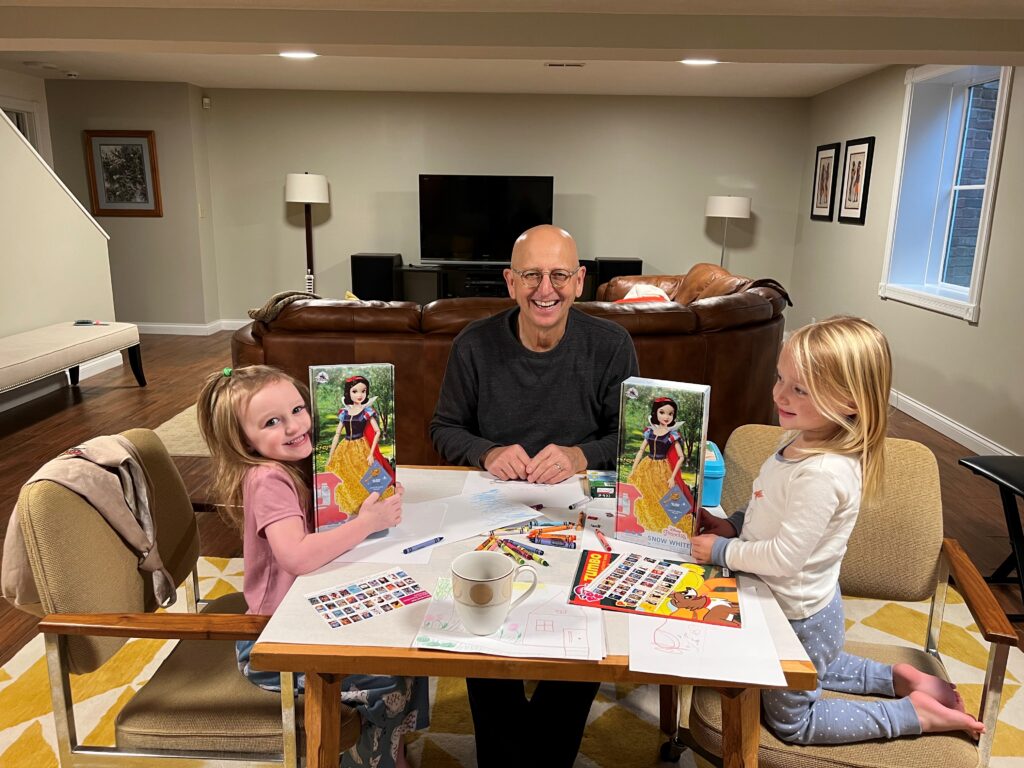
(164, 626)
(990, 618)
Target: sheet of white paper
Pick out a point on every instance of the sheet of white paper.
(560, 495)
(420, 522)
(472, 514)
(690, 649)
(542, 626)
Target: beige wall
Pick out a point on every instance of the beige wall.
(29, 94)
(54, 257)
(631, 176)
(970, 374)
(156, 263)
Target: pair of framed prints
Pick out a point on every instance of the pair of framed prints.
(853, 191)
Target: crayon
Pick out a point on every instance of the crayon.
(581, 520)
(551, 535)
(422, 545)
(511, 553)
(485, 543)
(528, 548)
(558, 543)
(512, 529)
(516, 547)
(604, 541)
(554, 528)
(493, 546)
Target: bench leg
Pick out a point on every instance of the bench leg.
(73, 375)
(135, 360)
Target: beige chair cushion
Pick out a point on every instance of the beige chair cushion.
(41, 352)
(893, 552)
(198, 700)
(945, 750)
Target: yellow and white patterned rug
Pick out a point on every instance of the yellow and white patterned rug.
(623, 729)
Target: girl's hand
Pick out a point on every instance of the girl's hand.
(717, 525)
(379, 514)
(701, 547)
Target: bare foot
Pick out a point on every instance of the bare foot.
(936, 717)
(906, 679)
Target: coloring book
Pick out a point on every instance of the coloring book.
(643, 585)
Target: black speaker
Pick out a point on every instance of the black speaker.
(609, 267)
(377, 276)
(590, 282)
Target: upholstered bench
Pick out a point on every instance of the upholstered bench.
(33, 355)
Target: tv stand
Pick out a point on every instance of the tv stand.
(424, 283)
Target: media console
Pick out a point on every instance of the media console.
(383, 277)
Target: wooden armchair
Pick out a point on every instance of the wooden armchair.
(896, 552)
(197, 708)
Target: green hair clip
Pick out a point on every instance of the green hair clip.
(227, 372)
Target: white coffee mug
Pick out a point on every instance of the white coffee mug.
(482, 588)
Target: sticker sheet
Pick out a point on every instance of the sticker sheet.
(366, 598)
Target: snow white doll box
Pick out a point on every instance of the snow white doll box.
(663, 429)
(353, 437)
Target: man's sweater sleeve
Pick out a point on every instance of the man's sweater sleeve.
(454, 430)
(601, 453)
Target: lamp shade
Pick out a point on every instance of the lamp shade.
(305, 188)
(728, 207)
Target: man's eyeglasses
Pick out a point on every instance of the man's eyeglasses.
(533, 277)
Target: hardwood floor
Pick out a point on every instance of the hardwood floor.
(175, 366)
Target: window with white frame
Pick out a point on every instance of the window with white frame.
(948, 168)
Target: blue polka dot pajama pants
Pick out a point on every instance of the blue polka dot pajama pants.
(805, 717)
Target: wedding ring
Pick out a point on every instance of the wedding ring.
(558, 467)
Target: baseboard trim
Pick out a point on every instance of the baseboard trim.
(192, 329)
(944, 425)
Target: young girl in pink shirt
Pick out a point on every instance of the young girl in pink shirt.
(257, 424)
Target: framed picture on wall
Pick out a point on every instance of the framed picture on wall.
(853, 200)
(823, 188)
(123, 176)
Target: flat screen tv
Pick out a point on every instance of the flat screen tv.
(478, 218)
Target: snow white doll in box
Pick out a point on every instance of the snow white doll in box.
(354, 449)
(657, 468)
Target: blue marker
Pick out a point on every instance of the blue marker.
(422, 544)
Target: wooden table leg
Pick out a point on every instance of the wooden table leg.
(668, 696)
(741, 718)
(323, 719)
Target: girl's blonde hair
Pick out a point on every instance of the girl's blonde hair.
(845, 365)
(224, 396)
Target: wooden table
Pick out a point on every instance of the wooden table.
(325, 665)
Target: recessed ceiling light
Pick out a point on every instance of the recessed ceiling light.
(699, 62)
(298, 55)
(564, 64)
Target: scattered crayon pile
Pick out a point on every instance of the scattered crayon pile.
(547, 533)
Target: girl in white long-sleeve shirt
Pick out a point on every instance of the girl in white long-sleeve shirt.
(832, 394)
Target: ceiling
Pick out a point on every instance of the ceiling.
(772, 48)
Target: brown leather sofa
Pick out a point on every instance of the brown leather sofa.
(722, 329)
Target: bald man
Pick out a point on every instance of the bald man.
(532, 394)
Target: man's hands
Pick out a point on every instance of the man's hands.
(717, 525)
(553, 464)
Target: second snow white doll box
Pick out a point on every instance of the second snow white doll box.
(353, 437)
(662, 434)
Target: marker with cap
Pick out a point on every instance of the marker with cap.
(604, 541)
(580, 503)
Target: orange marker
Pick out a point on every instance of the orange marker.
(604, 541)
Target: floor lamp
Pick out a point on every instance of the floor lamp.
(727, 207)
(307, 188)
